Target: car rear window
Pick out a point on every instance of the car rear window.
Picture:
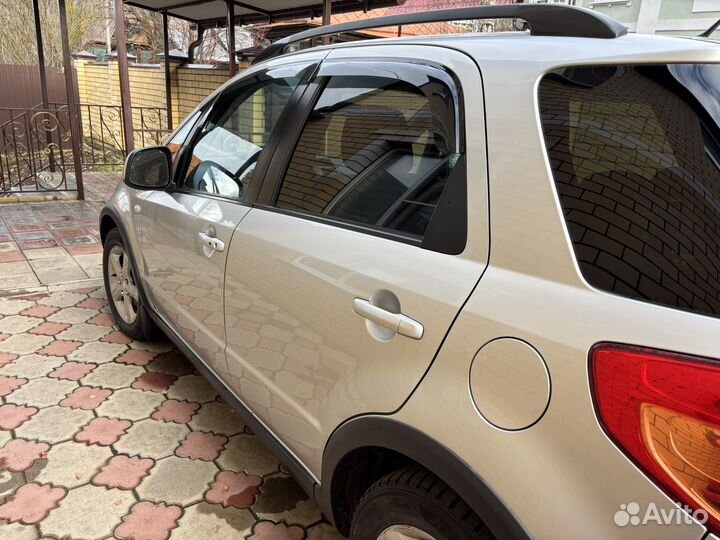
(635, 154)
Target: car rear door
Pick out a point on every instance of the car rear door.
(369, 234)
(186, 230)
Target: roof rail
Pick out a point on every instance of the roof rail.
(709, 32)
(543, 19)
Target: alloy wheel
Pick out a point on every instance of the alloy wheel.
(123, 287)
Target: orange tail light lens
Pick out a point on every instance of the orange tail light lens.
(663, 410)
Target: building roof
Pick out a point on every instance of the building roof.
(213, 12)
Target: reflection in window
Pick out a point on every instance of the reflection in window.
(635, 153)
(375, 151)
(224, 156)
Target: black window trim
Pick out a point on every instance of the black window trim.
(275, 174)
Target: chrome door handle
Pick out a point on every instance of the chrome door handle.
(212, 242)
(397, 322)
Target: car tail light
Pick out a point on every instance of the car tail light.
(663, 410)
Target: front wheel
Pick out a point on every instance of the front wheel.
(123, 291)
(414, 504)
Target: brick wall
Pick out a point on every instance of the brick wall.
(192, 85)
(99, 84)
(639, 193)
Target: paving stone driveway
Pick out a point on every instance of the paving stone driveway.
(104, 437)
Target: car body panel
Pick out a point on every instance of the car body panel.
(301, 372)
(533, 291)
(296, 351)
(185, 277)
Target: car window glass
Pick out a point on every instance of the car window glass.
(375, 151)
(635, 155)
(178, 138)
(229, 145)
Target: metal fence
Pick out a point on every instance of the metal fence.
(36, 143)
(35, 150)
(102, 127)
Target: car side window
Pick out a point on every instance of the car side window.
(376, 151)
(177, 139)
(227, 148)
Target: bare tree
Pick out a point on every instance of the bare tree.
(17, 31)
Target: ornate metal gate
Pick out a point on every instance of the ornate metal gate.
(36, 146)
(36, 151)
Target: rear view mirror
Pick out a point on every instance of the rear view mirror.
(148, 168)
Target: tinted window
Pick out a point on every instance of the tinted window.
(229, 145)
(635, 153)
(177, 139)
(375, 151)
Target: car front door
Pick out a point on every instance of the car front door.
(186, 231)
(369, 234)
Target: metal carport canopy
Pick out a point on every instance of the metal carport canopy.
(213, 12)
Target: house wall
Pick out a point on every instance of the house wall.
(670, 17)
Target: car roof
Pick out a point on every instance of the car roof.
(553, 51)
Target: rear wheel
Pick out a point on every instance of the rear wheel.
(123, 291)
(414, 504)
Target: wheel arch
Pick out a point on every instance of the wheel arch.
(108, 222)
(366, 448)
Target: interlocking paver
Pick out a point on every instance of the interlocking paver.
(31, 366)
(88, 334)
(154, 381)
(13, 416)
(72, 371)
(86, 398)
(60, 348)
(130, 404)
(88, 512)
(136, 358)
(103, 431)
(16, 324)
(31, 503)
(199, 445)
(41, 392)
(113, 375)
(149, 521)
(73, 315)
(246, 453)
(10, 384)
(218, 418)
(70, 464)
(13, 306)
(234, 489)
(54, 424)
(177, 480)
(171, 362)
(153, 453)
(267, 530)
(123, 472)
(192, 387)
(150, 438)
(175, 411)
(282, 499)
(19, 455)
(213, 522)
(25, 343)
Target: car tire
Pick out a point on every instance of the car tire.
(413, 503)
(123, 290)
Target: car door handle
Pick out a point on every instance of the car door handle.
(397, 322)
(212, 242)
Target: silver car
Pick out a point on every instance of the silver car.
(464, 286)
